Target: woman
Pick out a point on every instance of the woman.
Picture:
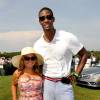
(28, 76)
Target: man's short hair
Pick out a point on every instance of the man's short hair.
(46, 8)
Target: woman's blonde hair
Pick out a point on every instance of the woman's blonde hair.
(36, 68)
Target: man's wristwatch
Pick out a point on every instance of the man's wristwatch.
(75, 74)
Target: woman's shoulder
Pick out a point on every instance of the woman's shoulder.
(17, 73)
(15, 76)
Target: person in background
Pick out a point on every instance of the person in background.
(57, 48)
(93, 59)
(88, 63)
(28, 77)
(76, 62)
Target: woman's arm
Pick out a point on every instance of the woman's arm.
(14, 85)
(14, 92)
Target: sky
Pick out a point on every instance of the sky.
(19, 26)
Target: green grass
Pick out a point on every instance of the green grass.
(81, 93)
(5, 87)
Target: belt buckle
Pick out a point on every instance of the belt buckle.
(65, 80)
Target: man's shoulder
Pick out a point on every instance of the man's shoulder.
(37, 43)
(66, 34)
(63, 31)
(38, 40)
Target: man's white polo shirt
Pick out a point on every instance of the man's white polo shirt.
(58, 53)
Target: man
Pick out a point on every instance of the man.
(57, 48)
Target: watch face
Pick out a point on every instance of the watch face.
(75, 74)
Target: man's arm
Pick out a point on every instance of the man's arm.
(83, 55)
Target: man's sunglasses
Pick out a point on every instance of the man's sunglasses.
(29, 58)
(49, 17)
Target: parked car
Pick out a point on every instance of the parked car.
(90, 77)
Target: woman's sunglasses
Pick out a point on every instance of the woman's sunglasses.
(32, 58)
(49, 17)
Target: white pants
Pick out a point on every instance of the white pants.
(57, 91)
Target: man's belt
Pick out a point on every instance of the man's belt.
(52, 79)
(64, 80)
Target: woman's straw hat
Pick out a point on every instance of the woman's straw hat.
(26, 50)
